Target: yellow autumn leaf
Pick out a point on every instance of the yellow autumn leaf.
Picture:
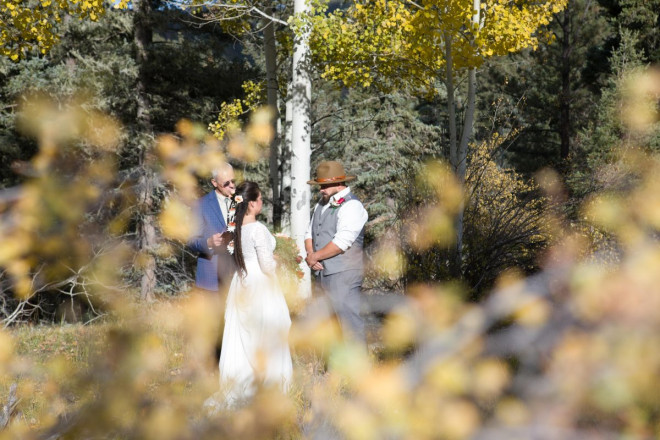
(176, 220)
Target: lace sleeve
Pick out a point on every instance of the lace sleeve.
(264, 249)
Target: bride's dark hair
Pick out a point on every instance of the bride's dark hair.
(250, 192)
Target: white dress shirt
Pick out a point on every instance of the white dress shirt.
(351, 218)
(222, 200)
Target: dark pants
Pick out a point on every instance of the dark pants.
(226, 270)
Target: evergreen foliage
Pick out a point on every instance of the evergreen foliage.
(596, 166)
(191, 70)
(640, 16)
(383, 141)
(529, 87)
(385, 137)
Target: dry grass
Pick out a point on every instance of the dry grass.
(41, 350)
(50, 360)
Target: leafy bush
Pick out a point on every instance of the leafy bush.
(503, 223)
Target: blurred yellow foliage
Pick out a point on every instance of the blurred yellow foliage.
(534, 313)
(491, 377)
(435, 223)
(43, 225)
(389, 261)
(400, 329)
(6, 349)
(641, 92)
(570, 348)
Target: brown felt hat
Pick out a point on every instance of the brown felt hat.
(330, 171)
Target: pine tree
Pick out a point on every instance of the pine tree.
(548, 93)
(384, 140)
(595, 168)
(640, 16)
(190, 73)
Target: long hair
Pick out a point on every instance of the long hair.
(249, 191)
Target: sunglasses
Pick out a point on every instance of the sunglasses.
(227, 183)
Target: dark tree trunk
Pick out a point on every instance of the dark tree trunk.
(270, 51)
(565, 95)
(147, 239)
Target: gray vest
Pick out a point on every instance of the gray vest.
(324, 228)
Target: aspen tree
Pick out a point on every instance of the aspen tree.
(414, 45)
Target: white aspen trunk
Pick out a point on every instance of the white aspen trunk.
(468, 122)
(270, 52)
(459, 159)
(461, 168)
(454, 154)
(468, 125)
(451, 105)
(301, 95)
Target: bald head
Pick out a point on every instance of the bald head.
(223, 180)
(223, 169)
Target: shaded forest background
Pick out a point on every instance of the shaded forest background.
(553, 108)
(548, 325)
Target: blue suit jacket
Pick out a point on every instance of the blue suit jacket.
(209, 221)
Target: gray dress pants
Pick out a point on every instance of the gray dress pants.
(343, 289)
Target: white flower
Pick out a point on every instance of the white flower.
(231, 227)
(238, 199)
(230, 247)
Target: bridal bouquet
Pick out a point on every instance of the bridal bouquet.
(290, 273)
(288, 258)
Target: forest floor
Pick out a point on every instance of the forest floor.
(42, 349)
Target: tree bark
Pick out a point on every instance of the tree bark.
(146, 226)
(460, 168)
(285, 162)
(270, 51)
(456, 256)
(451, 104)
(9, 409)
(458, 153)
(301, 151)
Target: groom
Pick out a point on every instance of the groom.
(334, 246)
(215, 266)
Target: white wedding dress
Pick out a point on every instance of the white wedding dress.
(255, 348)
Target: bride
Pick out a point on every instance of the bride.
(255, 350)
